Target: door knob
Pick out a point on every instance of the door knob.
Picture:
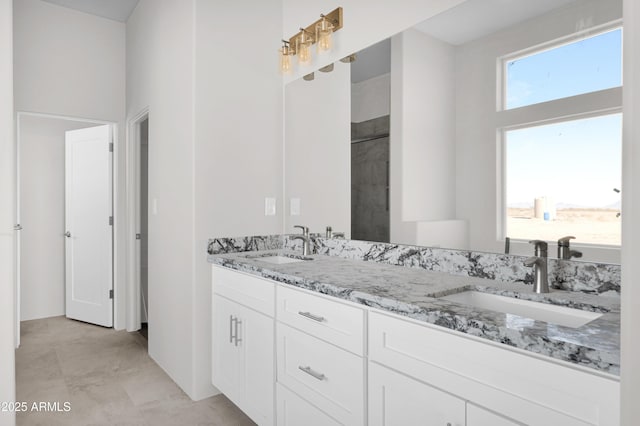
(67, 234)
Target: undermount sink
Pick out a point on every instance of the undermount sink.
(279, 259)
(560, 315)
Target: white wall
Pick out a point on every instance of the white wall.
(318, 151)
(478, 158)
(215, 137)
(442, 233)
(7, 212)
(371, 98)
(400, 230)
(74, 65)
(423, 141)
(630, 337)
(160, 76)
(365, 23)
(428, 128)
(238, 141)
(42, 172)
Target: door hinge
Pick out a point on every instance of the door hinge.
(110, 220)
(111, 294)
(111, 147)
(138, 237)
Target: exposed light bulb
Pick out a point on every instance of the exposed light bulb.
(324, 30)
(303, 48)
(304, 54)
(285, 61)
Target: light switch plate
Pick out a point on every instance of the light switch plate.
(269, 206)
(294, 207)
(154, 206)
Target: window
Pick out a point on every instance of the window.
(561, 179)
(576, 68)
(562, 163)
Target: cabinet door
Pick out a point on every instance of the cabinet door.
(257, 362)
(395, 399)
(226, 355)
(477, 416)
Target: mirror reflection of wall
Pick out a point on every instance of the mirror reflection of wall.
(453, 135)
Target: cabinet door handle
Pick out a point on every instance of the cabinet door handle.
(237, 340)
(312, 373)
(231, 328)
(311, 316)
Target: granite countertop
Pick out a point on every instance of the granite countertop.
(414, 293)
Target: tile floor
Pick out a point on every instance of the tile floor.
(107, 377)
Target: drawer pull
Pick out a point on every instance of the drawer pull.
(312, 373)
(311, 316)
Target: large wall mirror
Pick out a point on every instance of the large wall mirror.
(493, 122)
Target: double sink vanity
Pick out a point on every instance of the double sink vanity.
(332, 339)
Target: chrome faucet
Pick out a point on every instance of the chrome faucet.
(304, 229)
(539, 264)
(564, 249)
(306, 250)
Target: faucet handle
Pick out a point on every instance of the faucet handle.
(304, 229)
(564, 241)
(541, 247)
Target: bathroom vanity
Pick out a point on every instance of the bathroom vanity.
(324, 340)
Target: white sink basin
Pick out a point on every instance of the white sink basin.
(280, 259)
(560, 315)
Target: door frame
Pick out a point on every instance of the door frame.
(133, 311)
(116, 222)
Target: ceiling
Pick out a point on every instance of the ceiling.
(371, 62)
(466, 22)
(478, 18)
(117, 10)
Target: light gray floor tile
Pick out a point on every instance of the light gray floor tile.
(109, 379)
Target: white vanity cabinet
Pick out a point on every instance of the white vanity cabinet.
(521, 388)
(395, 399)
(320, 348)
(339, 363)
(477, 416)
(243, 342)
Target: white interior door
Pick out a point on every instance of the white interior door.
(88, 224)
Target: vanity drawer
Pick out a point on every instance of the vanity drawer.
(250, 291)
(335, 322)
(295, 411)
(328, 377)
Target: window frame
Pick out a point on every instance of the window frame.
(502, 61)
(602, 102)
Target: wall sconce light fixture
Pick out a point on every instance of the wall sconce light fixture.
(285, 57)
(320, 33)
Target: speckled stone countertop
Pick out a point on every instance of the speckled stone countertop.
(414, 293)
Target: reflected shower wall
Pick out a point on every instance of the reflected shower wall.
(370, 180)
